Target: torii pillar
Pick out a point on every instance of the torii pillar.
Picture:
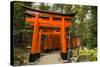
(64, 44)
(34, 52)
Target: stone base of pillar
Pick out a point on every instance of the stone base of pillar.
(47, 50)
(56, 49)
(34, 57)
(64, 56)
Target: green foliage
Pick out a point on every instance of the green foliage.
(30, 31)
(68, 8)
(18, 18)
(93, 54)
(93, 28)
(82, 26)
(44, 7)
(26, 23)
(84, 52)
(58, 8)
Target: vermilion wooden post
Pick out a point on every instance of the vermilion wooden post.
(58, 41)
(67, 40)
(53, 42)
(34, 54)
(51, 39)
(49, 43)
(39, 42)
(50, 36)
(57, 44)
(63, 41)
(45, 44)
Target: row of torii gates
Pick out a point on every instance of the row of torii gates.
(54, 26)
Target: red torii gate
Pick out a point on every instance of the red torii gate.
(55, 24)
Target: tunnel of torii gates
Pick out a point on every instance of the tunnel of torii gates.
(54, 26)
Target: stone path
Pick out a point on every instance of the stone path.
(50, 58)
(54, 58)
